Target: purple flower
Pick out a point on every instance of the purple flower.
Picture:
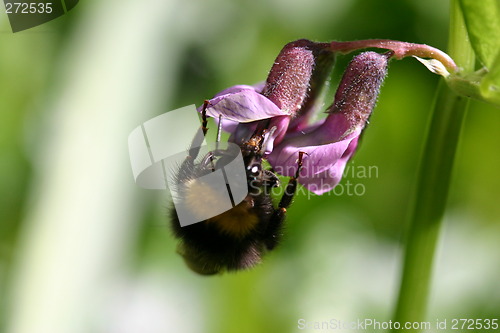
(331, 143)
(286, 102)
(298, 74)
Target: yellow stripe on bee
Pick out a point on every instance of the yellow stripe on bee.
(201, 198)
(238, 221)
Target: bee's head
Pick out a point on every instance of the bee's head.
(252, 157)
(253, 167)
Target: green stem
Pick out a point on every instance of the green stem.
(434, 177)
(400, 49)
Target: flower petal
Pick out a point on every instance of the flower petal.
(236, 89)
(243, 106)
(323, 165)
(277, 127)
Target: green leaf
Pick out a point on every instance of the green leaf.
(482, 18)
(490, 85)
(482, 85)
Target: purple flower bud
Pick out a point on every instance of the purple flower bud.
(288, 80)
(330, 144)
(357, 93)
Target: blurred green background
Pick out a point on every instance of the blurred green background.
(83, 249)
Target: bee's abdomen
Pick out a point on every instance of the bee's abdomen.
(237, 222)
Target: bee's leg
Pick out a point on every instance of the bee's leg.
(204, 117)
(278, 217)
(270, 179)
(197, 141)
(286, 199)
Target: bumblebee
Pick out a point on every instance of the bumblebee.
(238, 238)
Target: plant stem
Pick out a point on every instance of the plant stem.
(434, 177)
(400, 49)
